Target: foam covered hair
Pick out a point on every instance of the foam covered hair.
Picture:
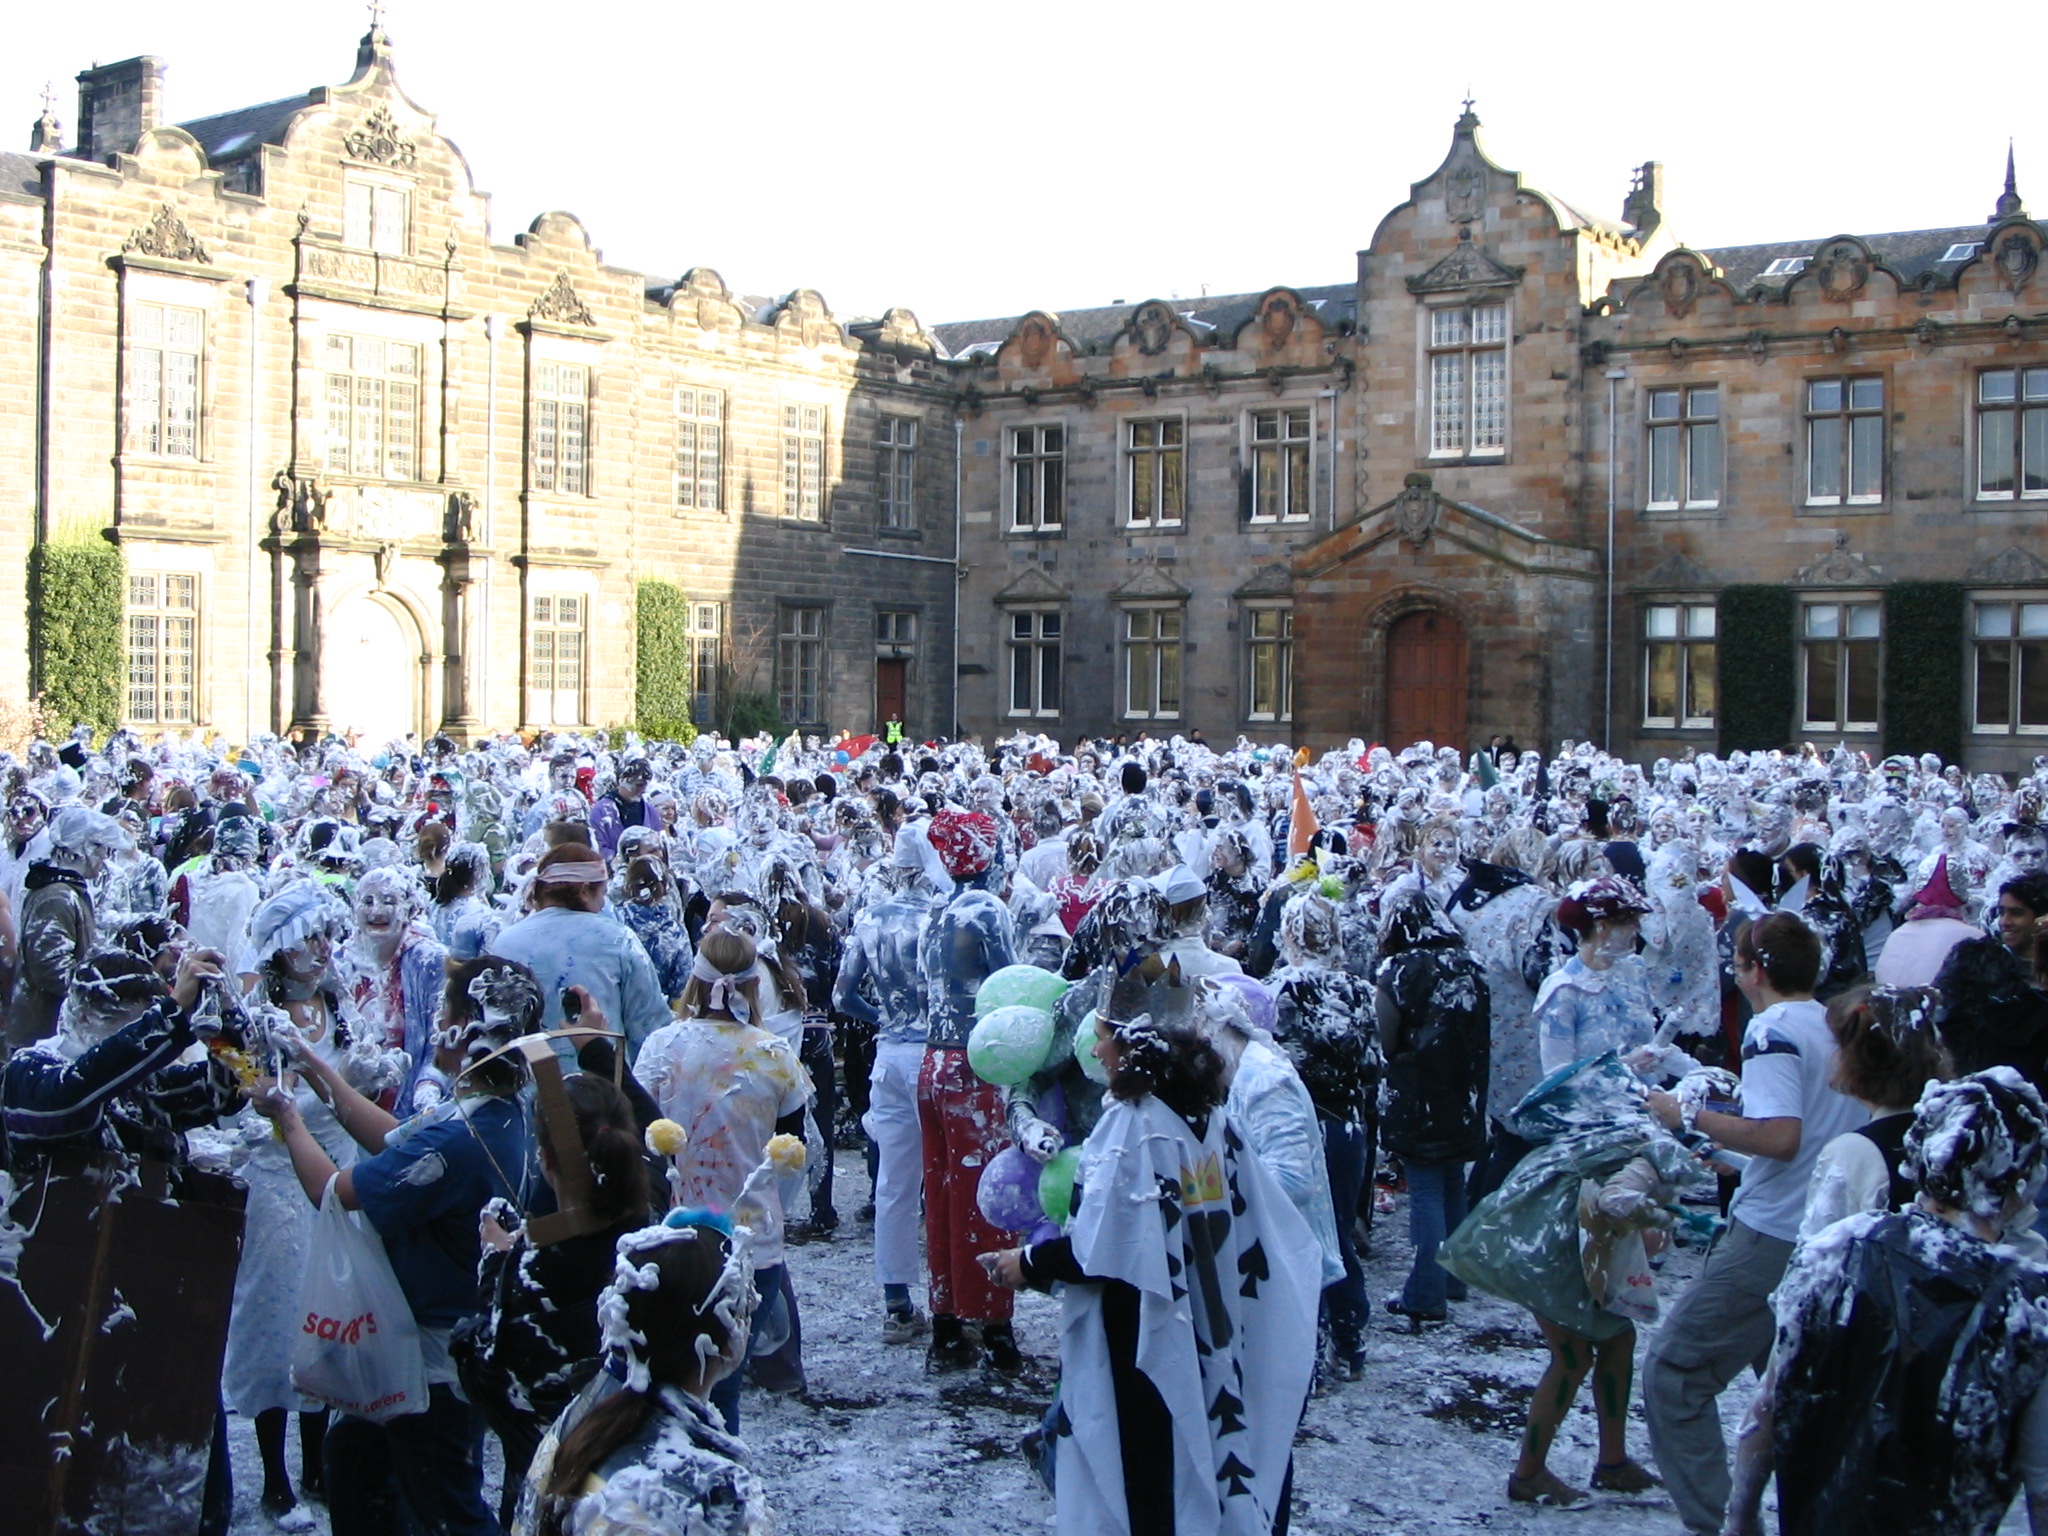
(1979, 1143)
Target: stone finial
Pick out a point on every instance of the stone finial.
(2009, 205)
(47, 137)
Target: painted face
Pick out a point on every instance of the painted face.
(310, 957)
(2027, 851)
(379, 912)
(1439, 850)
(562, 777)
(25, 816)
(1954, 826)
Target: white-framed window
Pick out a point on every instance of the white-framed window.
(1468, 380)
(1786, 266)
(2012, 434)
(164, 351)
(1679, 676)
(1962, 250)
(800, 665)
(163, 648)
(373, 407)
(803, 465)
(376, 218)
(896, 470)
(2009, 643)
(1844, 441)
(1685, 447)
(554, 658)
(895, 626)
(1035, 661)
(1152, 641)
(1269, 663)
(1282, 467)
(704, 634)
(700, 450)
(1839, 664)
(1038, 478)
(1155, 472)
(561, 428)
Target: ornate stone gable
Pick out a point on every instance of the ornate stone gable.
(2011, 567)
(2017, 256)
(1148, 581)
(1275, 580)
(1415, 511)
(1033, 585)
(377, 140)
(167, 238)
(1152, 327)
(561, 304)
(1680, 573)
(1841, 269)
(1466, 267)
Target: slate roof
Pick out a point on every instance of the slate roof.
(1910, 252)
(1333, 305)
(237, 135)
(18, 174)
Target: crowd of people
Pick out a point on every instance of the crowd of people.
(1790, 1008)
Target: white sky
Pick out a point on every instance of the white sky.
(974, 160)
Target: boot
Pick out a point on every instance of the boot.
(1000, 1341)
(949, 1349)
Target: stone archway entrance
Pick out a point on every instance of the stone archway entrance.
(1426, 680)
(370, 660)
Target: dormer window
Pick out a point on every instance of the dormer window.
(1962, 250)
(376, 218)
(1787, 266)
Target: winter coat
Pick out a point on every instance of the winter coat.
(1503, 916)
(967, 939)
(609, 818)
(1996, 1016)
(1325, 1023)
(1435, 1024)
(57, 931)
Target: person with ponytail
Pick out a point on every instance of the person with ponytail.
(534, 1344)
(650, 1458)
(731, 1085)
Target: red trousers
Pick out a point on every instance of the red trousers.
(963, 1123)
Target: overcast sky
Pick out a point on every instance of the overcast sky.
(976, 160)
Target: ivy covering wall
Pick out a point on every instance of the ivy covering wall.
(1758, 657)
(1923, 667)
(77, 592)
(662, 682)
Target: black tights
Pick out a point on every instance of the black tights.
(277, 1483)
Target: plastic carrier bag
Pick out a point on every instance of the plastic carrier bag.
(358, 1349)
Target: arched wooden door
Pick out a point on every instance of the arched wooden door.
(1426, 680)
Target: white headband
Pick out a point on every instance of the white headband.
(723, 989)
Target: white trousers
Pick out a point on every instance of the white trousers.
(899, 1161)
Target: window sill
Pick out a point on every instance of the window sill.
(1454, 460)
(1139, 530)
(1035, 533)
(886, 531)
(1820, 728)
(2010, 733)
(1278, 522)
(1683, 514)
(1840, 508)
(139, 460)
(1671, 728)
(1977, 504)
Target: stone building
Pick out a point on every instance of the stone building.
(1527, 471)
(1542, 455)
(369, 469)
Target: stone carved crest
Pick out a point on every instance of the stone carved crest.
(384, 557)
(561, 304)
(1277, 321)
(1679, 283)
(166, 237)
(2017, 259)
(1842, 270)
(1153, 327)
(1034, 342)
(378, 140)
(461, 517)
(1465, 193)
(301, 504)
(1416, 509)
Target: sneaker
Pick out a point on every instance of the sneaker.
(1000, 1341)
(1623, 1477)
(903, 1325)
(949, 1349)
(1383, 1202)
(866, 1213)
(1032, 1448)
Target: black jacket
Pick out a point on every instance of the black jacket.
(1438, 1053)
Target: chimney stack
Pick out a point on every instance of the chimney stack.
(117, 105)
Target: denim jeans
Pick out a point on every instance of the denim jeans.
(816, 1056)
(421, 1475)
(1436, 1204)
(725, 1397)
(1344, 1301)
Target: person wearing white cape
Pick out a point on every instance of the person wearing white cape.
(1190, 1285)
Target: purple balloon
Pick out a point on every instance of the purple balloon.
(1008, 1194)
(1044, 1232)
(1258, 1002)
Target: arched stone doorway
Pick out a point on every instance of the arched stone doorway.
(370, 658)
(1426, 679)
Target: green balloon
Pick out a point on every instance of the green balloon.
(1010, 1045)
(1084, 1050)
(1056, 1185)
(1017, 986)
